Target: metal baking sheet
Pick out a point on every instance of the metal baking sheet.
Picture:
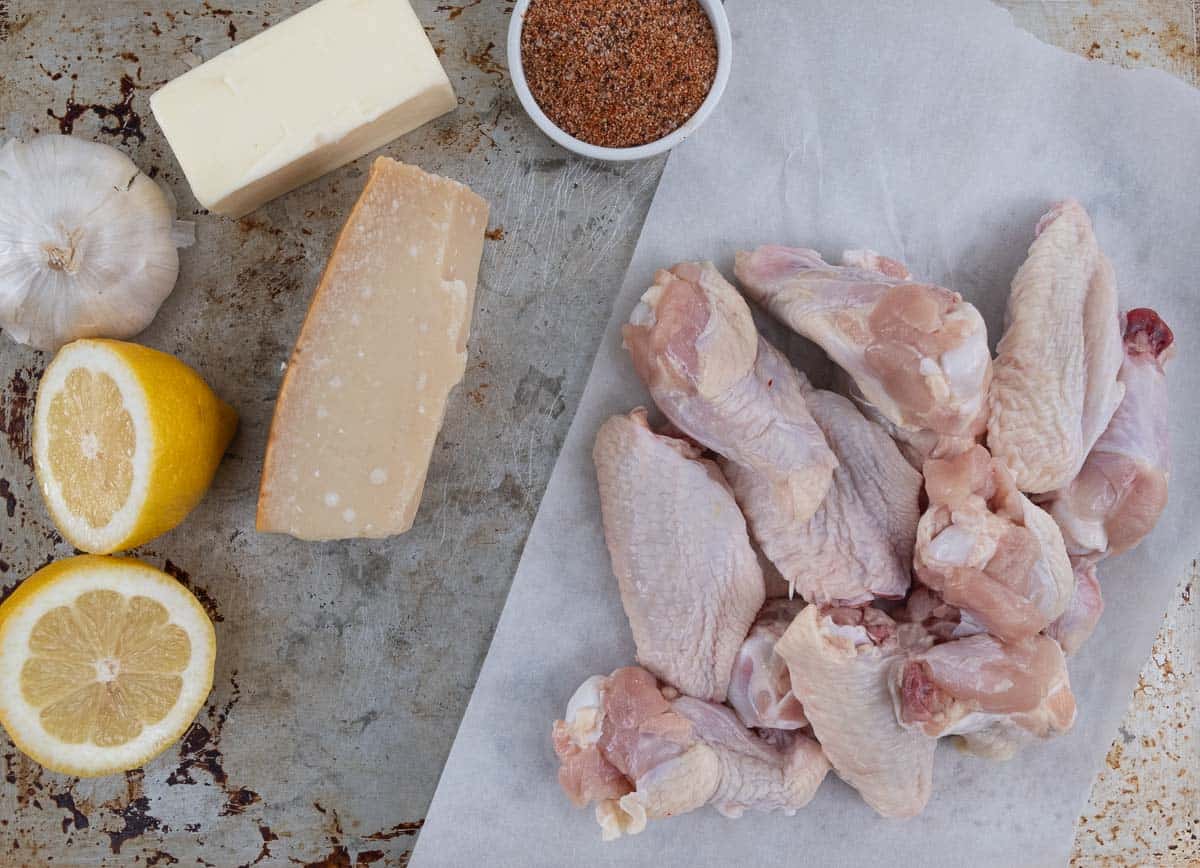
(343, 668)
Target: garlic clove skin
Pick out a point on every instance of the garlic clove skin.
(87, 242)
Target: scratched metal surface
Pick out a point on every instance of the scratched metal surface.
(343, 668)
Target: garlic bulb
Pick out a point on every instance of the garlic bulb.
(87, 242)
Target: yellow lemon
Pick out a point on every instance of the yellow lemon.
(126, 440)
(104, 662)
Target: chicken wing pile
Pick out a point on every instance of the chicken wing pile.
(819, 581)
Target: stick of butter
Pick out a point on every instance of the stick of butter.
(384, 342)
(298, 100)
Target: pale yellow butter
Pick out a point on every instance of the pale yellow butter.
(384, 342)
(303, 97)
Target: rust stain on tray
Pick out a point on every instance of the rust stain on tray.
(118, 118)
(9, 27)
(267, 836)
(484, 62)
(1164, 33)
(121, 819)
(136, 819)
(10, 499)
(1176, 45)
(200, 750)
(16, 413)
(396, 831)
(339, 856)
(456, 11)
(206, 600)
(342, 851)
(239, 800)
(66, 801)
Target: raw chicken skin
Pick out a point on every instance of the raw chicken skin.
(840, 661)
(690, 583)
(995, 695)
(869, 260)
(917, 447)
(693, 342)
(1055, 386)
(754, 773)
(1121, 490)
(917, 352)
(859, 544)
(760, 690)
(639, 756)
(989, 551)
(620, 738)
(1074, 626)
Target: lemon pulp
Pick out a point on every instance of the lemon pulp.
(101, 669)
(92, 441)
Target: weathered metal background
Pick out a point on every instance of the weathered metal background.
(343, 668)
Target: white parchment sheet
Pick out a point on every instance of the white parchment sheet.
(936, 132)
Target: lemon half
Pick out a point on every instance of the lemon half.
(104, 662)
(126, 440)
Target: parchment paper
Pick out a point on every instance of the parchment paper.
(935, 132)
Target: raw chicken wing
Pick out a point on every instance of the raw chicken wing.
(755, 774)
(840, 661)
(760, 690)
(693, 342)
(1055, 387)
(989, 551)
(622, 747)
(1122, 489)
(690, 582)
(995, 695)
(917, 352)
(859, 544)
(639, 756)
(1074, 626)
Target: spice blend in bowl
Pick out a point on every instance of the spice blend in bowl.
(618, 73)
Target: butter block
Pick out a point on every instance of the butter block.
(303, 97)
(384, 342)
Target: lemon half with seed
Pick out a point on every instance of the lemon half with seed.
(104, 662)
(126, 440)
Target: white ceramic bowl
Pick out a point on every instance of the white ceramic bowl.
(716, 14)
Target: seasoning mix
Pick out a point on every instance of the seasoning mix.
(618, 73)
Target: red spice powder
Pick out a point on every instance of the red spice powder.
(618, 73)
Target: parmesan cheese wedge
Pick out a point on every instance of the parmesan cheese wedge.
(383, 344)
